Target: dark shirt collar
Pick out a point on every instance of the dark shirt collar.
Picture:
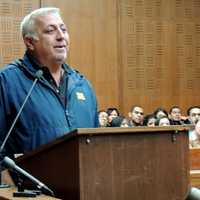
(46, 72)
(34, 61)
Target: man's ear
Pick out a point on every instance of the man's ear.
(29, 42)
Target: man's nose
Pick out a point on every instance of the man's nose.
(60, 34)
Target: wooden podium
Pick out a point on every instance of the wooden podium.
(115, 164)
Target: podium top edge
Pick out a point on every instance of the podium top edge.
(139, 129)
(108, 131)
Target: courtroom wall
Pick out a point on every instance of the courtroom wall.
(144, 52)
(160, 48)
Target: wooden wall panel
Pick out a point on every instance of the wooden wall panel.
(11, 14)
(93, 33)
(160, 53)
(143, 52)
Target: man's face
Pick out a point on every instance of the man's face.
(194, 115)
(137, 115)
(175, 114)
(103, 119)
(53, 40)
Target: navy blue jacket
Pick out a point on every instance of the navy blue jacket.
(44, 117)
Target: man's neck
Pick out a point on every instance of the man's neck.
(55, 69)
(57, 75)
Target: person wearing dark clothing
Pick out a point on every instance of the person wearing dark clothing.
(62, 99)
(136, 116)
(119, 121)
(193, 113)
(175, 116)
(112, 113)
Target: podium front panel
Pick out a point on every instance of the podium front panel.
(134, 166)
(114, 164)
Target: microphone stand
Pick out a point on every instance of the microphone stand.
(21, 192)
(38, 76)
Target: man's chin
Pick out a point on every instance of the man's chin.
(60, 59)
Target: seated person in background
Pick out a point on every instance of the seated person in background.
(193, 115)
(149, 120)
(160, 112)
(136, 116)
(163, 121)
(194, 136)
(112, 113)
(103, 118)
(175, 116)
(119, 121)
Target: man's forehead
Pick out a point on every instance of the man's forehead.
(103, 113)
(138, 109)
(48, 20)
(195, 110)
(176, 110)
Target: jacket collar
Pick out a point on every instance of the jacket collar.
(74, 77)
(32, 65)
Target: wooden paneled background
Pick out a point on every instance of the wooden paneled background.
(144, 52)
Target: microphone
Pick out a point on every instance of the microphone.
(12, 165)
(38, 75)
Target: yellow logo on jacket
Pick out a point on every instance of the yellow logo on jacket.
(80, 96)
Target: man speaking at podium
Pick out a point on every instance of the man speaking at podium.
(61, 100)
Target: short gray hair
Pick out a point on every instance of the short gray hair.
(27, 25)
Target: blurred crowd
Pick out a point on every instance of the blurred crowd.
(111, 117)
